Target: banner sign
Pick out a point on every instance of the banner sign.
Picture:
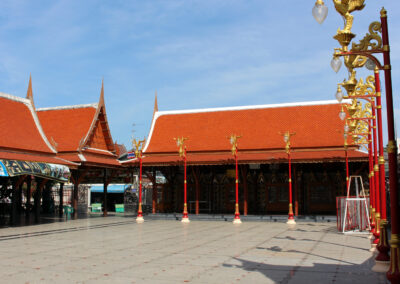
(51, 171)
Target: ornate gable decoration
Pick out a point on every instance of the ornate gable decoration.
(99, 135)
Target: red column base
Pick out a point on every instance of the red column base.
(237, 220)
(185, 218)
(372, 224)
(383, 246)
(393, 275)
(291, 220)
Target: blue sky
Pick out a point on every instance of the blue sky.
(196, 54)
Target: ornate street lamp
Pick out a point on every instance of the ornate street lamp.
(180, 142)
(320, 11)
(372, 44)
(286, 139)
(138, 146)
(369, 91)
(233, 140)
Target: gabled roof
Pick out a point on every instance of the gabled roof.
(79, 127)
(67, 125)
(317, 125)
(20, 126)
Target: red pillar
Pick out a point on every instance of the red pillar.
(237, 214)
(290, 218)
(394, 272)
(373, 178)
(139, 218)
(370, 175)
(185, 217)
(347, 169)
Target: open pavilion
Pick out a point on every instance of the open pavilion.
(318, 156)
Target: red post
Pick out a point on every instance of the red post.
(373, 178)
(185, 217)
(139, 218)
(394, 272)
(237, 214)
(347, 169)
(381, 157)
(140, 212)
(290, 189)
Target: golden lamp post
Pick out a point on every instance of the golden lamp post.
(180, 142)
(369, 91)
(138, 146)
(286, 139)
(364, 53)
(233, 140)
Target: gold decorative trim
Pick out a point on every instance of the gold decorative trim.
(383, 13)
(381, 160)
(387, 67)
(371, 39)
(392, 147)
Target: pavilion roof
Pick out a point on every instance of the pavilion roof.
(20, 126)
(67, 125)
(81, 132)
(316, 125)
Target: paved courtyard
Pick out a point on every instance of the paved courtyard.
(117, 250)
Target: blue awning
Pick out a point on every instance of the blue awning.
(112, 188)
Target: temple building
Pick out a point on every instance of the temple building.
(29, 164)
(42, 147)
(82, 136)
(317, 151)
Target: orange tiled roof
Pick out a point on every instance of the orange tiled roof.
(316, 124)
(20, 126)
(81, 132)
(68, 125)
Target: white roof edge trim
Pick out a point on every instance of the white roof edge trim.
(156, 115)
(14, 98)
(82, 157)
(39, 126)
(94, 105)
(130, 160)
(100, 150)
(311, 103)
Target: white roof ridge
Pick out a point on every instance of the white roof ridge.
(248, 107)
(94, 105)
(14, 98)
